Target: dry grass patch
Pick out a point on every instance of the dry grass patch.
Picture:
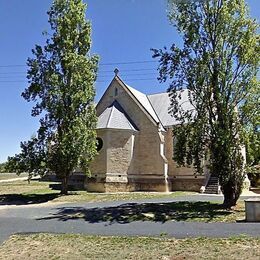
(50, 246)
(23, 187)
(83, 196)
(6, 176)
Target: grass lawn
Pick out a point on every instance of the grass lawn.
(65, 246)
(39, 192)
(5, 176)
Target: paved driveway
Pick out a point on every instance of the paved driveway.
(107, 218)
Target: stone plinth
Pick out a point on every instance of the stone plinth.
(252, 207)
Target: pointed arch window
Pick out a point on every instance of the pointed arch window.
(116, 92)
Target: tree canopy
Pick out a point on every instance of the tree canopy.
(61, 79)
(3, 167)
(218, 65)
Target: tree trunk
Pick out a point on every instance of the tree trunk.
(64, 185)
(231, 195)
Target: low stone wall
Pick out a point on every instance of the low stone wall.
(179, 184)
(144, 184)
(149, 187)
(95, 185)
(117, 187)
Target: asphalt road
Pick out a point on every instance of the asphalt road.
(90, 219)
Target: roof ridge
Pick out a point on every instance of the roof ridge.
(166, 92)
(159, 93)
(154, 117)
(154, 110)
(135, 90)
(110, 116)
(129, 120)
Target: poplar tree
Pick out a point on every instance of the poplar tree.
(217, 64)
(61, 79)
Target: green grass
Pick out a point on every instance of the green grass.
(65, 246)
(21, 192)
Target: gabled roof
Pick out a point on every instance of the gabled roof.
(145, 102)
(114, 117)
(155, 106)
(140, 99)
(161, 104)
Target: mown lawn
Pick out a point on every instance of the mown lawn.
(65, 246)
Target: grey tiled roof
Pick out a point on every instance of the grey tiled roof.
(155, 105)
(114, 117)
(161, 104)
(144, 101)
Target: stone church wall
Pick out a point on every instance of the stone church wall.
(147, 159)
(180, 178)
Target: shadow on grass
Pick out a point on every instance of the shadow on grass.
(157, 212)
(22, 199)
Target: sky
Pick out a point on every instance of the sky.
(123, 32)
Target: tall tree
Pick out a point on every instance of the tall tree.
(61, 84)
(217, 64)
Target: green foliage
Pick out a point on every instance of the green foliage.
(253, 173)
(250, 114)
(32, 159)
(3, 168)
(61, 84)
(252, 142)
(217, 65)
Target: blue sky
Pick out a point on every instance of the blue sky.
(122, 31)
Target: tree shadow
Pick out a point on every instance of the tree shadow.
(130, 212)
(26, 199)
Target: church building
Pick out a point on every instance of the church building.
(135, 144)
